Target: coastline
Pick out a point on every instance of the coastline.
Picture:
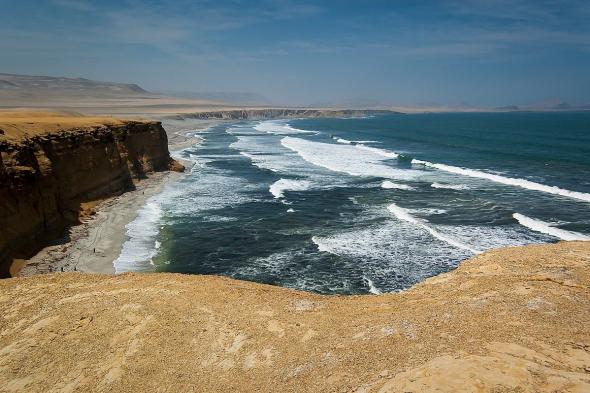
(94, 244)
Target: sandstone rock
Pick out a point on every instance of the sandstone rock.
(46, 177)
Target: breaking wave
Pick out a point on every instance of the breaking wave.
(544, 227)
(404, 215)
(506, 180)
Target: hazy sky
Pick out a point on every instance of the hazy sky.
(482, 52)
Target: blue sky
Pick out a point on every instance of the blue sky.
(481, 52)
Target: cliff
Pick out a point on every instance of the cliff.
(52, 166)
(254, 114)
(510, 320)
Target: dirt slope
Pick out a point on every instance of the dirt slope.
(509, 320)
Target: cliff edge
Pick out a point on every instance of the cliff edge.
(510, 320)
(54, 166)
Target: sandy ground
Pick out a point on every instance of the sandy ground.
(509, 320)
(17, 124)
(93, 246)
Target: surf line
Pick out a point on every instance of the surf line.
(546, 228)
(511, 181)
(404, 215)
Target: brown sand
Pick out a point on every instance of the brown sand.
(510, 320)
(18, 124)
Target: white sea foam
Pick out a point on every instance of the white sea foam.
(278, 188)
(391, 185)
(381, 152)
(544, 227)
(506, 180)
(348, 142)
(404, 215)
(450, 186)
(280, 128)
(265, 153)
(380, 251)
(372, 288)
(430, 210)
(321, 245)
(141, 246)
(346, 159)
(486, 237)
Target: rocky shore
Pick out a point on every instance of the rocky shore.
(510, 320)
(55, 168)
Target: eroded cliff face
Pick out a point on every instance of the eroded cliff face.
(46, 178)
(278, 113)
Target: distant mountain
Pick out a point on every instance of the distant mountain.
(508, 108)
(556, 105)
(351, 103)
(235, 98)
(28, 86)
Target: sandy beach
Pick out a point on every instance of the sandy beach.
(92, 246)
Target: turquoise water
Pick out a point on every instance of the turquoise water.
(367, 204)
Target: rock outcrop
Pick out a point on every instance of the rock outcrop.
(253, 114)
(510, 320)
(47, 178)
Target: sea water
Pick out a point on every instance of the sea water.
(365, 205)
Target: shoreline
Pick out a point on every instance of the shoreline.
(93, 245)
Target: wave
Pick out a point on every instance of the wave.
(380, 250)
(322, 246)
(347, 159)
(381, 152)
(141, 246)
(372, 288)
(278, 188)
(347, 142)
(544, 227)
(506, 180)
(450, 186)
(403, 214)
(389, 185)
(279, 128)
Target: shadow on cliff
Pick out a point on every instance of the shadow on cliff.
(51, 182)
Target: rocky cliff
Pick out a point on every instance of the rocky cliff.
(511, 320)
(253, 114)
(48, 174)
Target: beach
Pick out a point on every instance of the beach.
(93, 245)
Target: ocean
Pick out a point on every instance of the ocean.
(365, 205)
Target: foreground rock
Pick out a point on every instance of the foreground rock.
(54, 167)
(510, 320)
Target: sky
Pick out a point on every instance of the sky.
(479, 52)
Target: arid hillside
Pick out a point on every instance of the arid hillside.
(511, 320)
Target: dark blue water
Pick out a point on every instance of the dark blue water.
(366, 205)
